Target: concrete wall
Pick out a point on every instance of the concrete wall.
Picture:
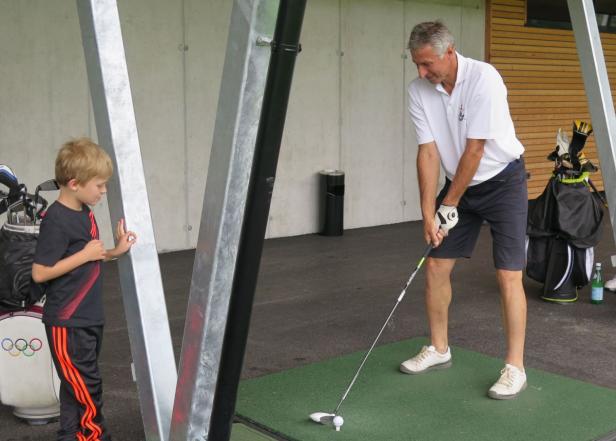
(347, 109)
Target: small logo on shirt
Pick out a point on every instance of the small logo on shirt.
(461, 113)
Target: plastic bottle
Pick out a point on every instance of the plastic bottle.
(596, 293)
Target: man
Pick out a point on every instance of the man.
(462, 121)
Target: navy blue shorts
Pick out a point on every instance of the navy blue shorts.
(502, 202)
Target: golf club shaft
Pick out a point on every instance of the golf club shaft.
(400, 297)
(601, 198)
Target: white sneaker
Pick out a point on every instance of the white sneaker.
(610, 284)
(427, 359)
(510, 384)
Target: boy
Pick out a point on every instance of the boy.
(68, 256)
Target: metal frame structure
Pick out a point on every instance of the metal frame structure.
(140, 278)
(236, 205)
(597, 87)
(285, 48)
(226, 192)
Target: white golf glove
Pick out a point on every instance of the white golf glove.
(446, 217)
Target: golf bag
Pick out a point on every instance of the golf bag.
(564, 225)
(17, 246)
(18, 237)
(28, 380)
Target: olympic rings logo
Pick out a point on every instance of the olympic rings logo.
(21, 346)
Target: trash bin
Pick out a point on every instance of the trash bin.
(332, 202)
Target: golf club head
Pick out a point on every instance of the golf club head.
(8, 178)
(49, 185)
(322, 417)
(40, 202)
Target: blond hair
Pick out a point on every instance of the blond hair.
(82, 159)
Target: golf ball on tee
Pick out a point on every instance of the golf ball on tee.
(338, 422)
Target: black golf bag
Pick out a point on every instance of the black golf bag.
(18, 237)
(17, 246)
(564, 225)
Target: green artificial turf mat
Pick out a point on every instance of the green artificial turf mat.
(448, 404)
(240, 432)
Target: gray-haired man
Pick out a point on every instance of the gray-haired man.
(461, 116)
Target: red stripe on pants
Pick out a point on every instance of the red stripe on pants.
(71, 374)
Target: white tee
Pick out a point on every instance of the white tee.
(477, 109)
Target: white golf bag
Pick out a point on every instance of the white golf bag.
(28, 379)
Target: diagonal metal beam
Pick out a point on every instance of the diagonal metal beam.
(600, 102)
(140, 278)
(235, 132)
(225, 201)
(285, 48)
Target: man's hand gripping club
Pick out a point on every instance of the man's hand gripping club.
(445, 219)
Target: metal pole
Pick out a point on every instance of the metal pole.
(140, 279)
(285, 47)
(227, 189)
(600, 102)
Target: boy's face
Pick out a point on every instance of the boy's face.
(92, 191)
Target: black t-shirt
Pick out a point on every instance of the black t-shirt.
(75, 298)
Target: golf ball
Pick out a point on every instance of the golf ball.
(338, 422)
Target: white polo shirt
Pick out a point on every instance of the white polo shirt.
(477, 108)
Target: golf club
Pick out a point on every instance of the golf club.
(8, 178)
(3, 202)
(41, 203)
(333, 417)
(17, 192)
(601, 198)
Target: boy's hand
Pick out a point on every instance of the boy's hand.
(94, 250)
(125, 239)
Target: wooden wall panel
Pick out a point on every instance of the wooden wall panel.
(541, 69)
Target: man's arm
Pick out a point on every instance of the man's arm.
(428, 169)
(469, 163)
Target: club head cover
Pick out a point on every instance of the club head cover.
(586, 165)
(581, 131)
(8, 179)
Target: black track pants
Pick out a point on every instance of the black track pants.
(75, 355)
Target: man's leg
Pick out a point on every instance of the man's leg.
(438, 298)
(513, 302)
(505, 206)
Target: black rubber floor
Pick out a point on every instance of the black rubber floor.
(320, 297)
